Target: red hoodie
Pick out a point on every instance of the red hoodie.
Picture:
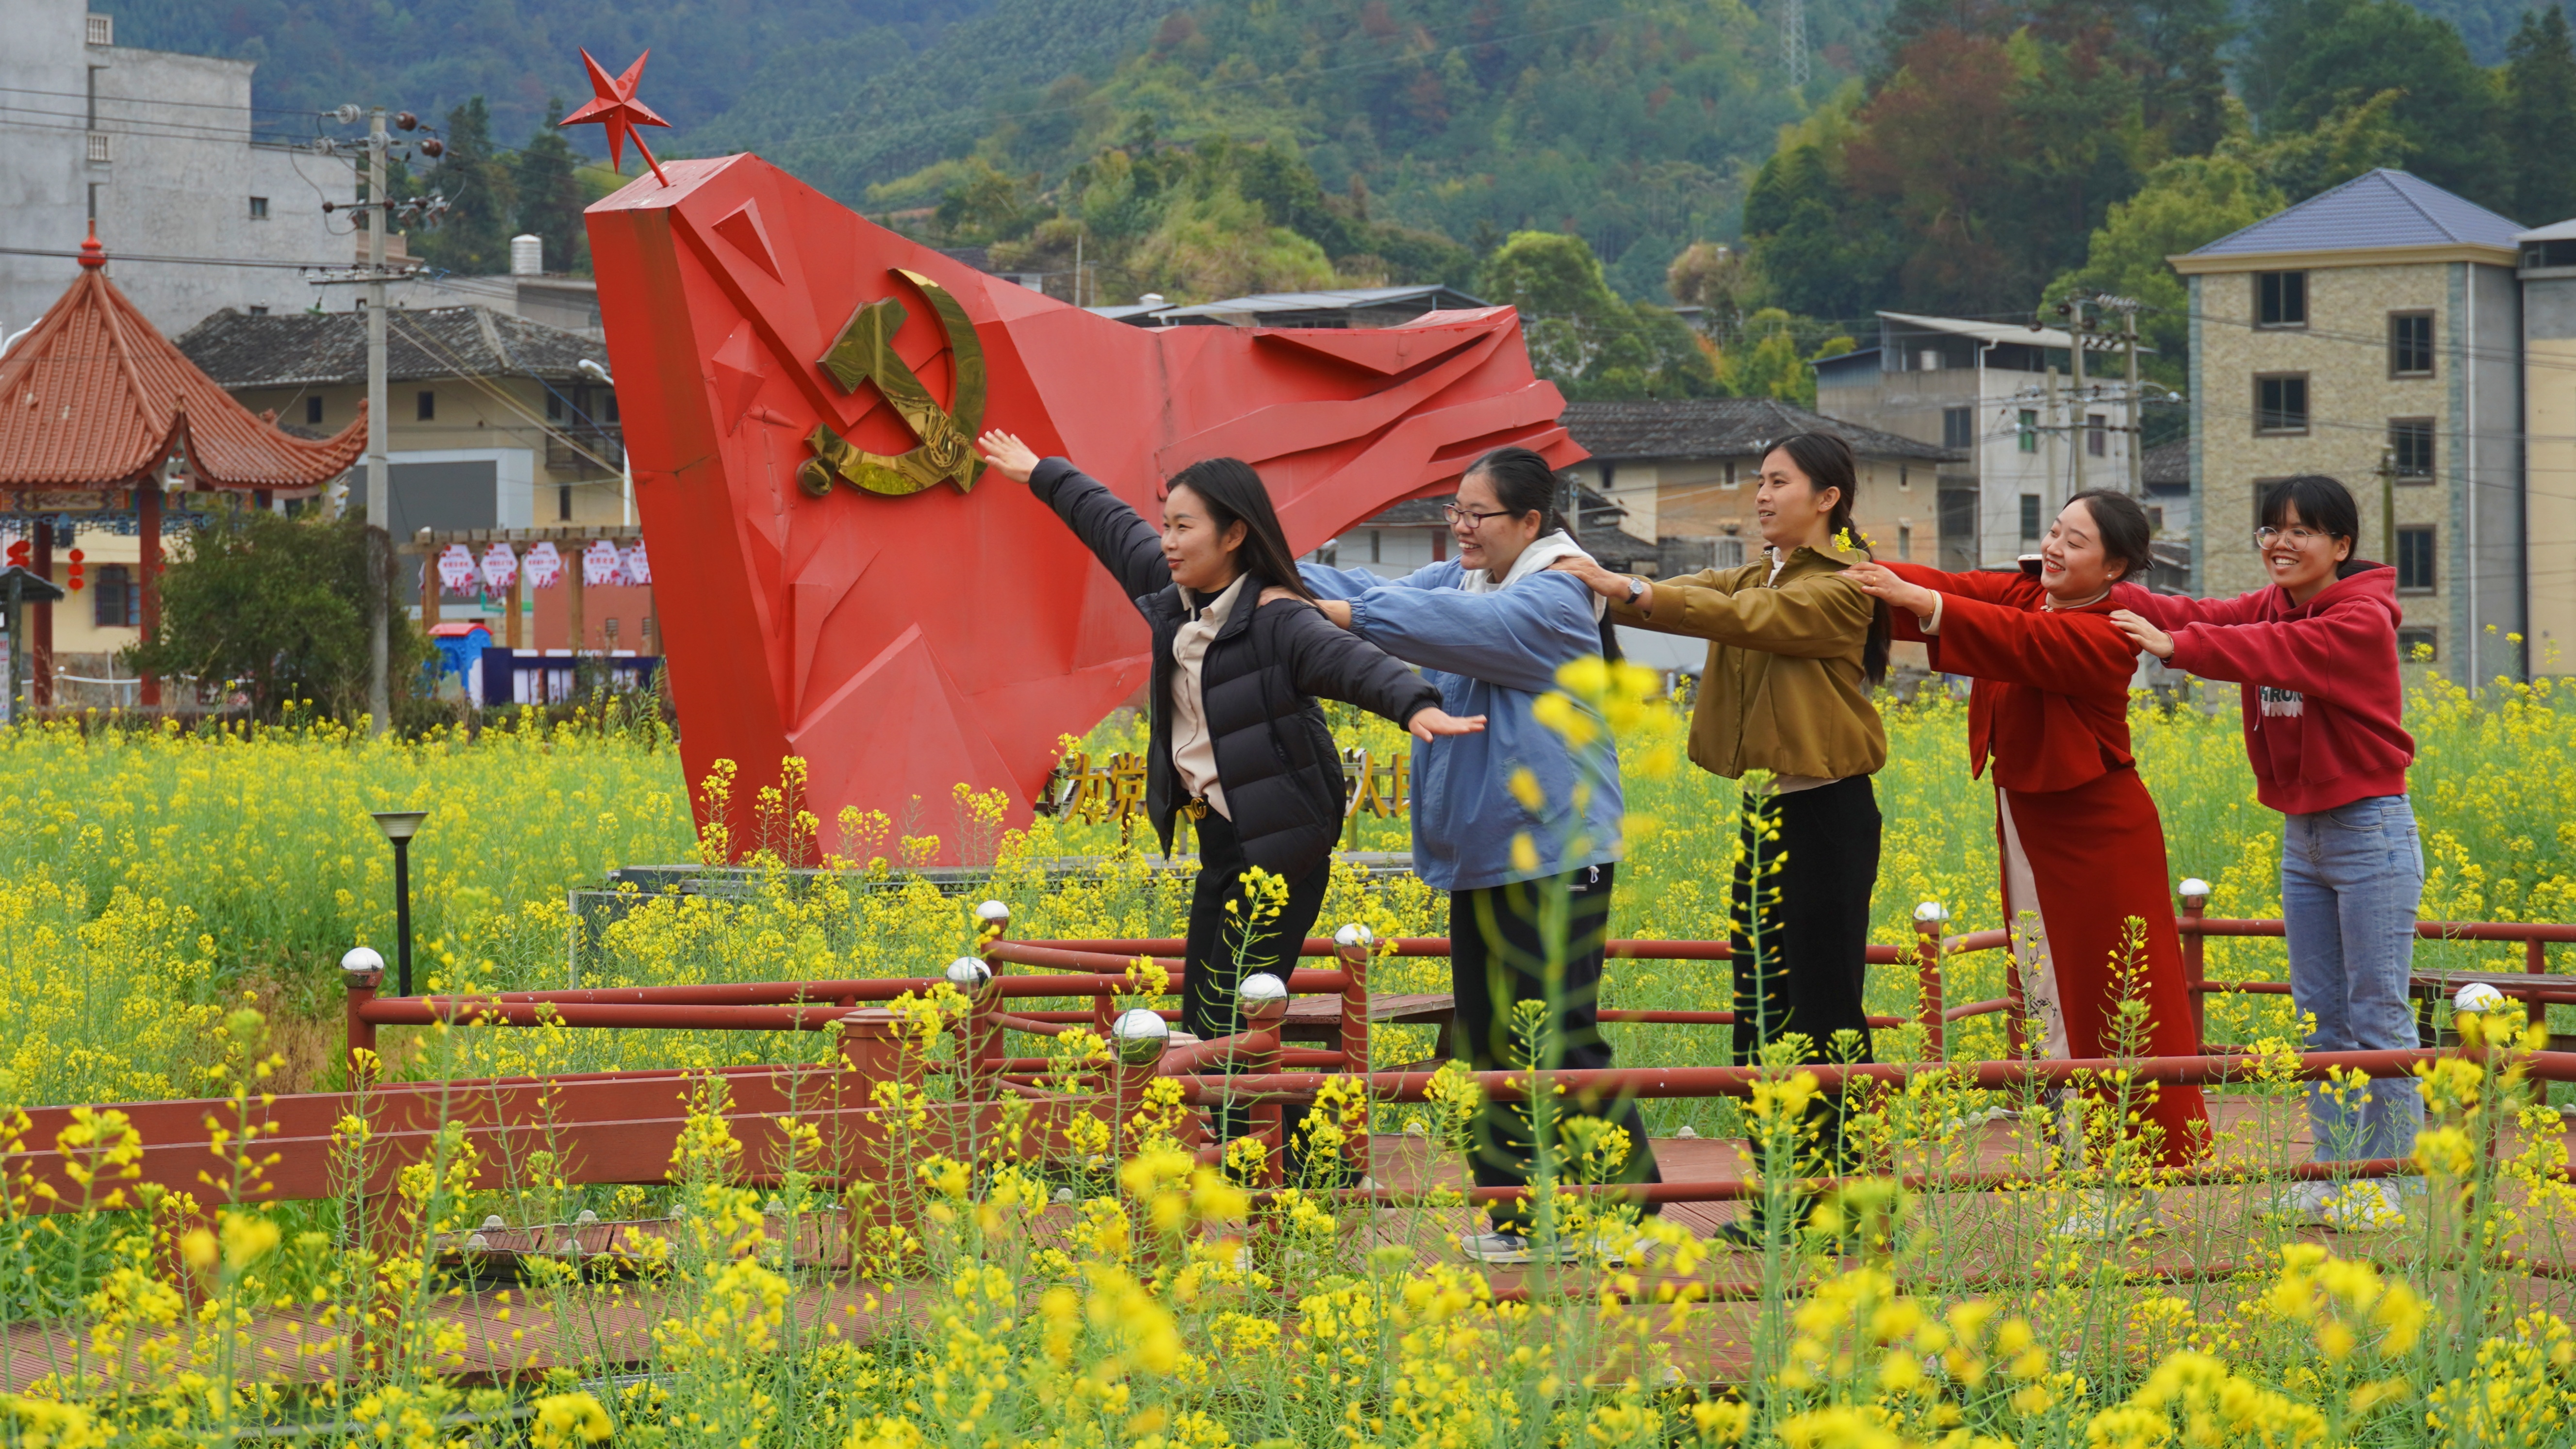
(2322, 700)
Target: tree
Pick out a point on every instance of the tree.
(1581, 335)
(2540, 115)
(1818, 247)
(1718, 279)
(2187, 203)
(278, 605)
(550, 194)
(1765, 360)
(482, 200)
(2308, 58)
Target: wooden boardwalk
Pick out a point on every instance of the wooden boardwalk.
(1987, 1241)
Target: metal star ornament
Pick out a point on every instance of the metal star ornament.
(613, 108)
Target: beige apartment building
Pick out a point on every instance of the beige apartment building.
(2373, 334)
(2549, 451)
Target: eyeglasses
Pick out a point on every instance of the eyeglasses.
(2297, 535)
(1454, 514)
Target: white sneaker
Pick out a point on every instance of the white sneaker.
(2360, 1207)
(2303, 1205)
(1513, 1248)
(1613, 1245)
(2108, 1218)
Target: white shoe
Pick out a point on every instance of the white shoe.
(1513, 1248)
(2304, 1205)
(2104, 1218)
(1613, 1245)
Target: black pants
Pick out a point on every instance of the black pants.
(1807, 886)
(1497, 957)
(1218, 957)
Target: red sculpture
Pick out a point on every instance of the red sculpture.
(840, 583)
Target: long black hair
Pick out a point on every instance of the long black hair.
(2323, 503)
(1235, 494)
(2120, 521)
(1524, 484)
(1826, 459)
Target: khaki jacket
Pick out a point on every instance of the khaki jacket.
(1783, 690)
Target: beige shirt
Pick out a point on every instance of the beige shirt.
(1193, 748)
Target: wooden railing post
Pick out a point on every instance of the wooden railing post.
(361, 971)
(1929, 917)
(2195, 958)
(1351, 944)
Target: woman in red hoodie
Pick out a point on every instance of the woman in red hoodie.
(2083, 848)
(2317, 656)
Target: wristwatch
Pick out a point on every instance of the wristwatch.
(1636, 591)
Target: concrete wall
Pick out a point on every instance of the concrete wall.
(183, 168)
(2472, 398)
(467, 418)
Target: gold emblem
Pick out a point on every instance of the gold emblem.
(864, 352)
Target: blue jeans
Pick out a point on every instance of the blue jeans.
(2351, 878)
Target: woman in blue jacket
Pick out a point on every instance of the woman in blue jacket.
(1490, 629)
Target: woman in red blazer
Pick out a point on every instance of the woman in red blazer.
(2083, 849)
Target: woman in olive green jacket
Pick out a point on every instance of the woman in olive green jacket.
(1794, 650)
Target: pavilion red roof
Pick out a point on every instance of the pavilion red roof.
(95, 397)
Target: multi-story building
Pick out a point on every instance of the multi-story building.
(2548, 275)
(2372, 333)
(2001, 400)
(200, 209)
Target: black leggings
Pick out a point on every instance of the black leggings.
(1215, 968)
(1496, 958)
(1806, 970)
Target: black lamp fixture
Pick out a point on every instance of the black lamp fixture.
(399, 827)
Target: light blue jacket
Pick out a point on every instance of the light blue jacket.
(1492, 654)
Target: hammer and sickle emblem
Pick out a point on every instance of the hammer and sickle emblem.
(864, 352)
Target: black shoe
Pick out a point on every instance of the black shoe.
(1746, 1236)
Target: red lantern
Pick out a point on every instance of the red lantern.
(18, 555)
(75, 580)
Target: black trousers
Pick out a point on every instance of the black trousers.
(1497, 957)
(1218, 957)
(1805, 882)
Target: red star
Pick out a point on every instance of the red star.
(616, 111)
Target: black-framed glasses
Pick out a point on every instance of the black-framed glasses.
(1454, 513)
(2298, 535)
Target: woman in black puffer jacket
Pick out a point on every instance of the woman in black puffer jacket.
(1239, 742)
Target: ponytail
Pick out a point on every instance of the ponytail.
(1827, 461)
(1524, 483)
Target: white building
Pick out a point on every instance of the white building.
(162, 149)
(2003, 396)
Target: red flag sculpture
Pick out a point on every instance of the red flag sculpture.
(839, 581)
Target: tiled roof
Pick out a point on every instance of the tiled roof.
(1723, 427)
(2380, 208)
(301, 349)
(1435, 293)
(2168, 464)
(94, 397)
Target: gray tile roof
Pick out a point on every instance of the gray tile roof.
(1723, 427)
(2380, 208)
(2167, 464)
(303, 349)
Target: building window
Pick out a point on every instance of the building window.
(114, 601)
(2419, 646)
(1958, 427)
(2155, 519)
(99, 148)
(2410, 344)
(1375, 549)
(610, 415)
(563, 503)
(2281, 403)
(259, 208)
(2415, 559)
(1905, 542)
(2030, 518)
(554, 406)
(1904, 477)
(102, 29)
(2097, 436)
(2026, 430)
(428, 407)
(257, 310)
(1729, 480)
(2280, 299)
(312, 411)
(2410, 449)
(1728, 554)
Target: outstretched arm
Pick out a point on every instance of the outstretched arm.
(1335, 664)
(1125, 544)
(1515, 638)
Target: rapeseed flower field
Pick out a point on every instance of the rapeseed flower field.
(171, 907)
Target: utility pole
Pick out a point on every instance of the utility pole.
(2388, 505)
(2137, 405)
(379, 471)
(2077, 438)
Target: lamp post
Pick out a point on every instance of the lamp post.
(399, 827)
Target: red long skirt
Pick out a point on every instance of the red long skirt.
(2090, 860)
